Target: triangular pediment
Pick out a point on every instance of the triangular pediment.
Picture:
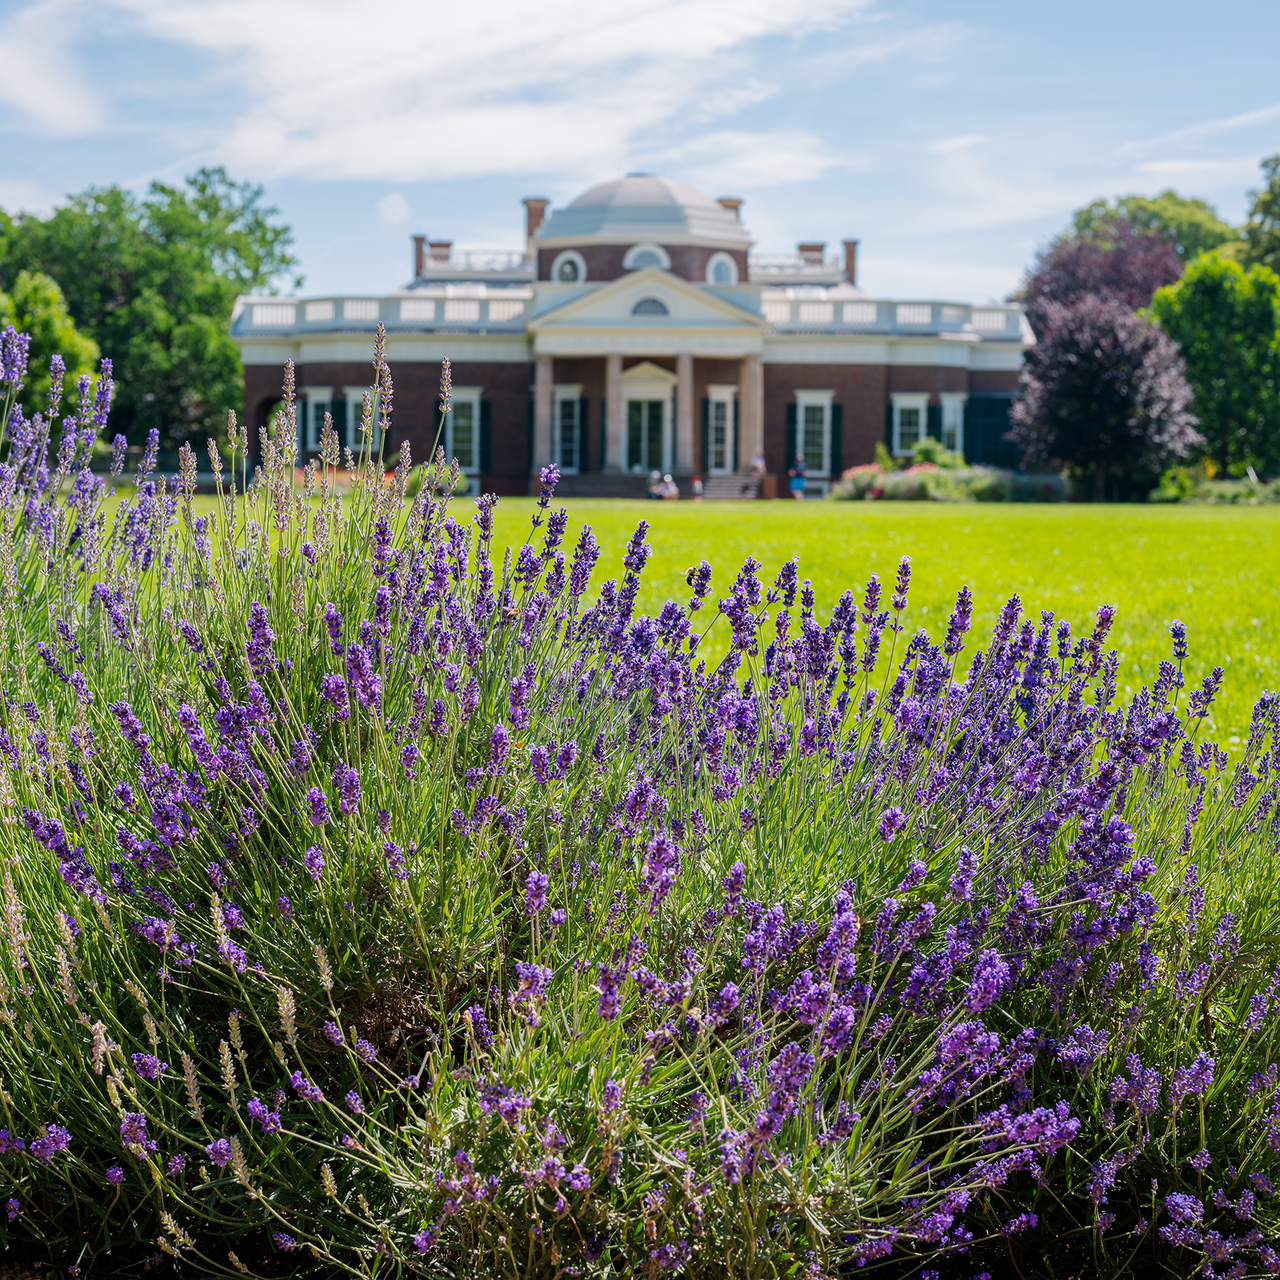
(648, 299)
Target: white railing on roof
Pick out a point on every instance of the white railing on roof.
(479, 260)
(789, 264)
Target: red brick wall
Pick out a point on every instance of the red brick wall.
(930, 378)
(988, 380)
(604, 261)
(862, 390)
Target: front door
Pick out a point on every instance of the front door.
(646, 443)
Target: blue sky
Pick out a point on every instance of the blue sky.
(951, 139)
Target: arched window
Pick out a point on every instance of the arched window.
(722, 269)
(570, 267)
(640, 256)
(650, 307)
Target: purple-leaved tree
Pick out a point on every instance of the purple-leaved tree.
(1110, 259)
(1104, 394)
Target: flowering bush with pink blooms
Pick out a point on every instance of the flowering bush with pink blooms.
(379, 902)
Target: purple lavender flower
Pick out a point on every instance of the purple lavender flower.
(305, 1089)
(267, 1119)
(612, 1097)
(285, 907)
(366, 1052)
(133, 1129)
(285, 1243)
(259, 648)
(535, 893)
(892, 820)
(990, 975)
(115, 1175)
(1178, 630)
(346, 782)
(365, 683)
(177, 1164)
(333, 689)
(333, 1033)
(219, 1152)
(319, 807)
(148, 1066)
(314, 862)
(733, 884)
(355, 1104)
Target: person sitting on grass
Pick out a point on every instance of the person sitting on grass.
(796, 482)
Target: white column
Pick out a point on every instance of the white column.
(751, 414)
(684, 415)
(542, 406)
(615, 439)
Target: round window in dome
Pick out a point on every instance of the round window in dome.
(640, 256)
(650, 307)
(569, 267)
(722, 269)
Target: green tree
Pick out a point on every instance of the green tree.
(1193, 225)
(1226, 320)
(35, 306)
(154, 283)
(1262, 231)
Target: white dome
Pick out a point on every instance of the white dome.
(642, 206)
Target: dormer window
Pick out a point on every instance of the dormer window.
(570, 267)
(640, 256)
(650, 307)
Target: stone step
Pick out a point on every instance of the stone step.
(730, 489)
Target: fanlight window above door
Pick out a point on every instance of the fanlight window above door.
(650, 307)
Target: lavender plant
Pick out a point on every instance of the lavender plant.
(376, 903)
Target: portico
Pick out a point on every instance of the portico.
(636, 327)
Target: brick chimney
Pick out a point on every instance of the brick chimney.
(419, 255)
(812, 253)
(732, 203)
(535, 214)
(439, 251)
(851, 261)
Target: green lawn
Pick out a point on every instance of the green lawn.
(1216, 568)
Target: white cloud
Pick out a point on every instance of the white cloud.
(18, 195)
(393, 209)
(38, 77)
(465, 90)
(737, 161)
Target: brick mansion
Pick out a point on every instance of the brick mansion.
(638, 331)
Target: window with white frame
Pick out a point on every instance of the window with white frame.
(910, 421)
(566, 424)
(953, 421)
(640, 256)
(722, 269)
(720, 400)
(462, 429)
(315, 406)
(813, 430)
(569, 267)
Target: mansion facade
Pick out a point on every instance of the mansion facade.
(638, 332)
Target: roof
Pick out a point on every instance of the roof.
(643, 206)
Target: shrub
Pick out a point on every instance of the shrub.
(925, 481)
(372, 900)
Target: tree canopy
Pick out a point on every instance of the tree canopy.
(1262, 230)
(1191, 225)
(153, 282)
(1104, 395)
(35, 306)
(1227, 323)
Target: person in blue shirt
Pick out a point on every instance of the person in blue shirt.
(796, 482)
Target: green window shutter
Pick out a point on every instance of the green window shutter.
(486, 435)
(835, 464)
(584, 444)
(706, 434)
(934, 419)
(338, 412)
(791, 438)
(735, 433)
(604, 432)
(888, 427)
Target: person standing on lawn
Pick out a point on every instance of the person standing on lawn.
(796, 481)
